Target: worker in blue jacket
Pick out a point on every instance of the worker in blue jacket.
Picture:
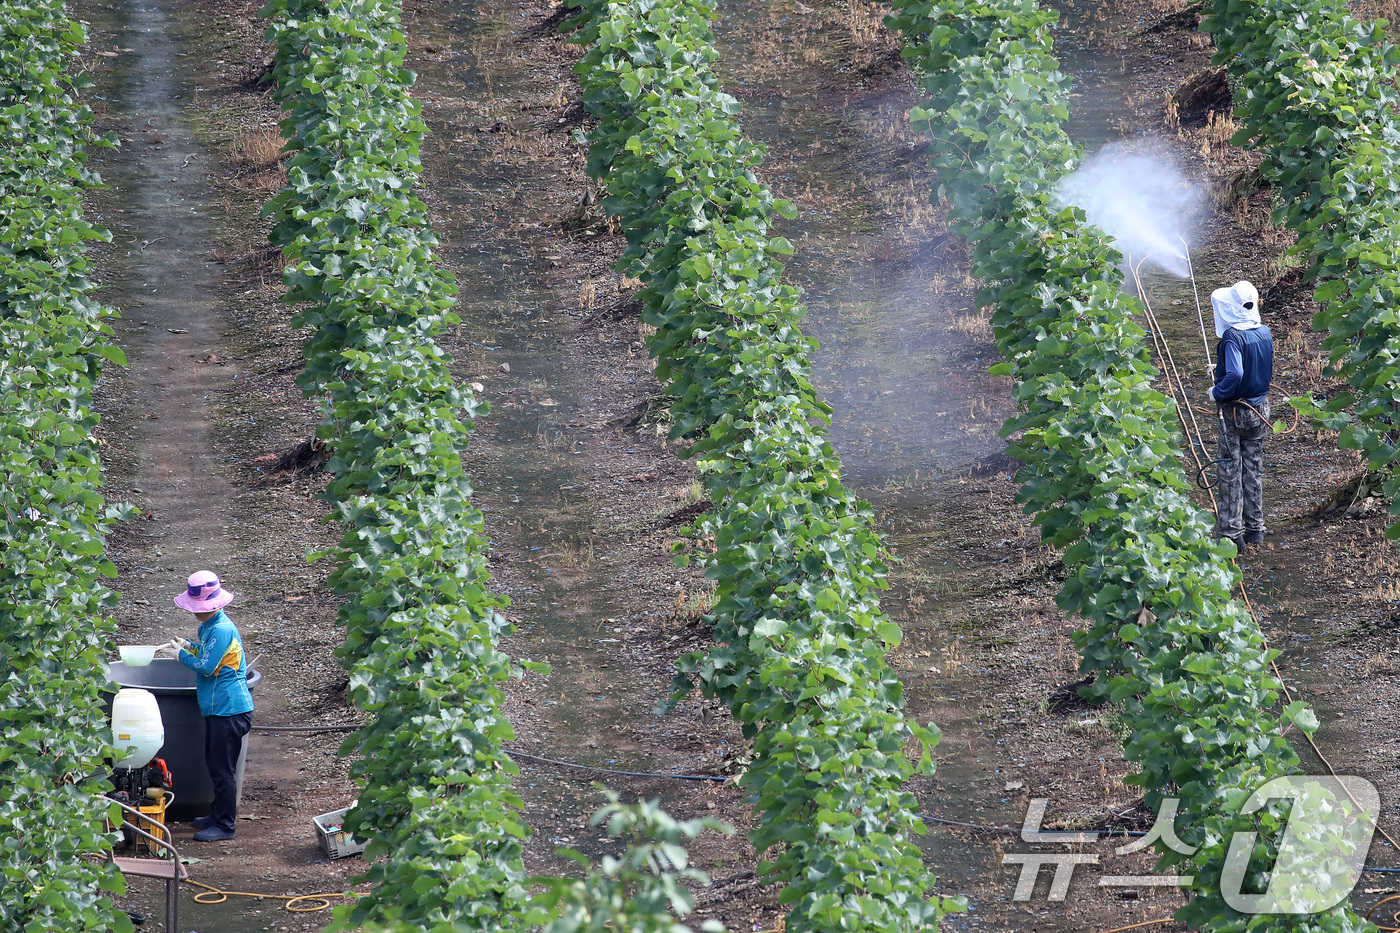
(1244, 367)
(221, 685)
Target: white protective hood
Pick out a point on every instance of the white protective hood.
(1236, 306)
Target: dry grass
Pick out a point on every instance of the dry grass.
(1294, 348)
(977, 407)
(258, 154)
(1295, 344)
(259, 148)
(1280, 263)
(953, 658)
(1215, 144)
(694, 604)
(866, 22)
(975, 325)
(573, 554)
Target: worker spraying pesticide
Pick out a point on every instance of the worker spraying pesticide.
(1242, 372)
(1138, 196)
(221, 685)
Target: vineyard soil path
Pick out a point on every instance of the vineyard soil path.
(167, 432)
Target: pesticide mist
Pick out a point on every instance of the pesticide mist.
(1141, 199)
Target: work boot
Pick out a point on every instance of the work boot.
(203, 822)
(1254, 537)
(213, 834)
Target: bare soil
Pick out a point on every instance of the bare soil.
(583, 495)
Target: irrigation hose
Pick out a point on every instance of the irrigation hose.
(1296, 414)
(1394, 917)
(1288, 695)
(1145, 923)
(213, 895)
(1201, 474)
(1166, 362)
(567, 764)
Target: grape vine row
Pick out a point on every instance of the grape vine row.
(1100, 448)
(422, 629)
(801, 639)
(54, 631)
(437, 806)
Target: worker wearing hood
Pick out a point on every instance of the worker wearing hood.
(1243, 370)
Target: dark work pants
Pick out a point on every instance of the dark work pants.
(1240, 491)
(223, 740)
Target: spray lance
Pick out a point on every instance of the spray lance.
(1200, 314)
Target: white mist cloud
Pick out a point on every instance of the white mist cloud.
(1141, 199)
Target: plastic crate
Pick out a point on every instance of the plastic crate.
(336, 842)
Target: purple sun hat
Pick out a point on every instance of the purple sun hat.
(204, 593)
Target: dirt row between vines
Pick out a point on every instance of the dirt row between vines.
(583, 496)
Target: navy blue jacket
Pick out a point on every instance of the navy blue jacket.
(1244, 366)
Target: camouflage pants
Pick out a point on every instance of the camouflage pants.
(1239, 491)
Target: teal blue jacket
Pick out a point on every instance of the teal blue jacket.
(221, 669)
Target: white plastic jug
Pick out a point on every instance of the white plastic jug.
(137, 730)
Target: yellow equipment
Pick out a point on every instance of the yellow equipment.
(156, 824)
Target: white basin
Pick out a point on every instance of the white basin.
(137, 655)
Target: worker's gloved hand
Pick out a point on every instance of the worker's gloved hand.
(180, 644)
(1210, 371)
